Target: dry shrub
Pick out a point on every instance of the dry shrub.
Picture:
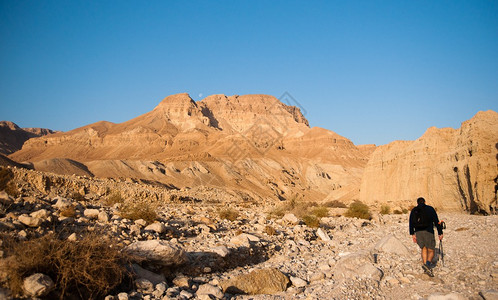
(138, 210)
(335, 204)
(359, 210)
(269, 230)
(228, 214)
(89, 268)
(68, 212)
(320, 212)
(397, 212)
(311, 221)
(298, 208)
(78, 197)
(114, 198)
(385, 209)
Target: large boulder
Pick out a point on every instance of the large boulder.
(264, 281)
(357, 265)
(390, 244)
(160, 252)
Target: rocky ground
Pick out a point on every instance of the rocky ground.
(216, 249)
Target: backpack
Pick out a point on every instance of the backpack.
(420, 219)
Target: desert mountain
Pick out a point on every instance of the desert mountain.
(260, 148)
(12, 137)
(452, 168)
(252, 144)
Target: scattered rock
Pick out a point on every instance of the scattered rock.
(264, 281)
(38, 285)
(158, 251)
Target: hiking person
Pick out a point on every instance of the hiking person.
(422, 220)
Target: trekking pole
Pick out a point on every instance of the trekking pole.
(441, 252)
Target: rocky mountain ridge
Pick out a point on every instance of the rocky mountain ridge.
(265, 149)
(12, 137)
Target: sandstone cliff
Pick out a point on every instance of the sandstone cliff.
(454, 169)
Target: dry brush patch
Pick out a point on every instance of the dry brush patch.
(358, 209)
(88, 268)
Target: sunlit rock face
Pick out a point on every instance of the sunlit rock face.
(453, 169)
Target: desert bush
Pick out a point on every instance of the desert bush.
(311, 221)
(228, 214)
(405, 211)
(320, 212)
(77, 196)
(88, 268)
(335, 204)
(68, 212)
(138, 210)
(270, 230)
(113, 198)
(385, 209)
(359, 210)
(397, 212)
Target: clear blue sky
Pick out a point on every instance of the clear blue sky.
(372, 71)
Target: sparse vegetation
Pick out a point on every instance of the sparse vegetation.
(114, 198)
(270, 230)
(228, 214)
(68, 212)
(385, 209)
(77, 196)
(335, 204)
(320, 212)
(311, 221)
(138, 210)
(357, 209)
(397, 212)
(89, 268)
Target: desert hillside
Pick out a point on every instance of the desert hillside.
(252, 144)
(12, 137)
(259, 147)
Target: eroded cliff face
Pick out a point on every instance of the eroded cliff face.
(454, 169)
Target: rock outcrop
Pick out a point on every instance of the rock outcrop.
(454, 169)
(12, 137)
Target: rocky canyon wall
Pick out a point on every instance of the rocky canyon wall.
(454, 169)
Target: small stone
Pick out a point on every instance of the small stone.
(181, 281)
(221, 251)
(122, 296)
(73, 237)
(30, 221)
(186, 294)
(322, 235)
(210, 290)
(141, 222)
(290, 218)
(144, 284)
(91, 213)
(103, 217)
(41, 214)
(156, 227)
(298, 282)
(38, 285)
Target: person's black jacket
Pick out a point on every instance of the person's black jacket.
(431, 213)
